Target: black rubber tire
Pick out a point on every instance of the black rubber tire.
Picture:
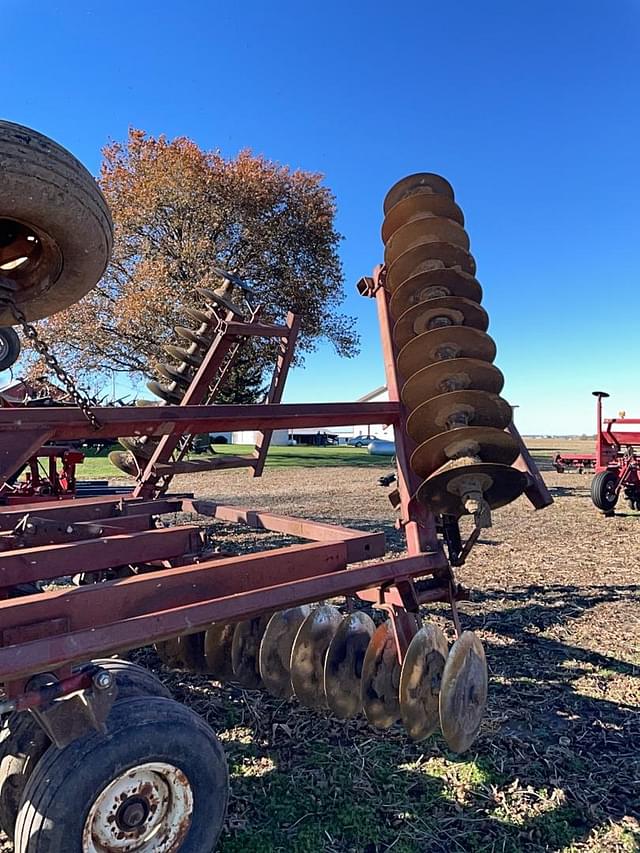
(9, 347)
(22, 745)
(48, 190)
(602, 491)
(63, 787)
(23, 742)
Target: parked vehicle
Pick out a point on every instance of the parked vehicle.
(360, 440)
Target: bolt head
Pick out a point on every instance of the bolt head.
(103, 680)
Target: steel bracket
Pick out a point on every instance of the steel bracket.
(69, 717)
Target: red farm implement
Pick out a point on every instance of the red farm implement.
(575, 461)
(617, 460)
(95, 755)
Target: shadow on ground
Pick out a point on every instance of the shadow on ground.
(556, 767)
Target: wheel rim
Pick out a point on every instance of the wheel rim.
(30, 258)
(147, 809)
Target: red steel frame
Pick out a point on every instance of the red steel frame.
(49, 631)
(617, 450)
(58, 481)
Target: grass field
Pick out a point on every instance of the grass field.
(556, 602)
(98, 466)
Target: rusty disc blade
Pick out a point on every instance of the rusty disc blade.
(415, 321)
(140, 449)
(169, 395)
(219, 299)
(217, 650)
(203, 341)
(482, 408)
(416, 205)
(124, 461)
(419, 182)
(487, 443)
(442, 344)
(381, 679)
(436, 492)
(309, 652)
(245, 651)
(420, 681)
(167, 371)
(433, 284)
(425, 229)
(193, 359)
(199, 316)
(452, 374)
(425, 257)
(343, 665)
(275, 650)
(463, 692)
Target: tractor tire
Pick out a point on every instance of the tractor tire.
(157, 777)
(603, 492)
(23, 742)
(9, 347)
(47, 194)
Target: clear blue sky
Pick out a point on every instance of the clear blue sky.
(529, 109)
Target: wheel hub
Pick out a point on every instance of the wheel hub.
(147, 809)
(132, 813)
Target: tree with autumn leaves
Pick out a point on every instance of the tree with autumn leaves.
(178, 211)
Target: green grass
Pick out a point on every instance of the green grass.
(311, 457)
(97, 466)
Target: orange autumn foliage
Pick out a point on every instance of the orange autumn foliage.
(178, 211)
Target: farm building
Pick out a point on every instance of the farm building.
(320, 434)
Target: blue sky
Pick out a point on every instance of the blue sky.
(529, 109)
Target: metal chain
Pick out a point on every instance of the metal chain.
(53, 364)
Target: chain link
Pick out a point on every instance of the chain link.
(53, 364)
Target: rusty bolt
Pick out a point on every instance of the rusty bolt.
(102, 680)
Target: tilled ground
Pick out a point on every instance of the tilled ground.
(557, 764)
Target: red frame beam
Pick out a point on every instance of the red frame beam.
(88, 509)
(360, 545)
(26, 565)
(69, 422)
(168, 603)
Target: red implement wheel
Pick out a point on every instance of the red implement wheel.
(155, 781)
(23, 742)
(603, 491)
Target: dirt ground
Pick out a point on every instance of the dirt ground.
(557, 764)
